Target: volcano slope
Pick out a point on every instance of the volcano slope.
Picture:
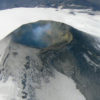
(49, 60)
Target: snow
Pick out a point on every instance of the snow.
(11, 19)
(59, 88)
(8, 90)
(90, 61)
(3, 45)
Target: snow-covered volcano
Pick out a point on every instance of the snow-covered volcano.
(68, 68)
(50, 51)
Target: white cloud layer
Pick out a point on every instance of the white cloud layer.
(11, 19)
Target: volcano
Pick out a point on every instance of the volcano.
(49, 60)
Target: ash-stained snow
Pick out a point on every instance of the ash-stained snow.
(59, 88)
(25, 78)
(3, 45)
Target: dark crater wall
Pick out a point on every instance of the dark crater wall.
(42, 34)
